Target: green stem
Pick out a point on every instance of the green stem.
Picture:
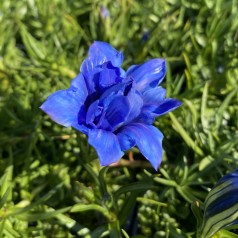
(114, 227)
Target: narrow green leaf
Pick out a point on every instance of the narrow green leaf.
(190, 142)
(204, 120)
(6, 180)
(150, 201)
(224, 107)
(72, 225)
(4, 198)
(16, 210)
(186, 193)
(35, 48)
(34, 216)
(9, 230)
(166, 182)
(125, 234)
(90, 207)
(101, 231)
(133, 187)
(224, 234)
(127, 207)
(2, 227)
(102, 181)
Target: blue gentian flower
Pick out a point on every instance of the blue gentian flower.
(114, 108)
(104, 12)
(145, 36)
(221, 205)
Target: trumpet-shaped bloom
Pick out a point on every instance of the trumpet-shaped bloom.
(221, 205)
(114, 108)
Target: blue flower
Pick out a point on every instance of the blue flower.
(114, 108)
(221, 205)
(104, 12)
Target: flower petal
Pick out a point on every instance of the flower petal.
(136, 102)
(100, 52)
(154, 95)
(79, 83)
(123, 107)
(80, 127)
(117, 89)
(151, 99)
(106, 145)
(93, 111)
(155, 104)
(146, 137)
(99, 78)
(152, 110)
(167, 105)
(148, 75)
(63, 106)
(117, 111)
(109, 75)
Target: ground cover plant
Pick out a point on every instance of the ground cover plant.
(51, 182)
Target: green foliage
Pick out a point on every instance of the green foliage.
(50, 184)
